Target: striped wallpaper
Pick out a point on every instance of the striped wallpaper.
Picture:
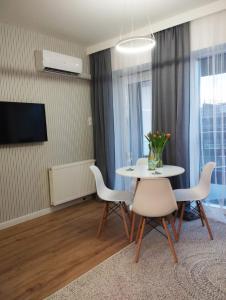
(24, 184)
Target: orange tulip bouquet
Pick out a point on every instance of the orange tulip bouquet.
(157, 141)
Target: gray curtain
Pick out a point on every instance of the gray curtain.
(102, 112)
(136, 125)
(171, 95)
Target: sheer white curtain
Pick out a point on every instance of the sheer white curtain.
(132, 108)
(208, 103)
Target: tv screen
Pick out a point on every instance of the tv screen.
(22, 123)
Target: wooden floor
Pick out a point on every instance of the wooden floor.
(40, 256)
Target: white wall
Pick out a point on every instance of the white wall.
(24, 185)
(208, 31)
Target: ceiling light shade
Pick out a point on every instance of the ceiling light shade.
(137, 44)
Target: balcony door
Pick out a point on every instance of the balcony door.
(208, 119)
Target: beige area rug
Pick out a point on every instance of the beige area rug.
(200, 273)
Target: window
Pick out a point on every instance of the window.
(132, 116)
(213, 121)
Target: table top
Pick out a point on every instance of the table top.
(142, 171)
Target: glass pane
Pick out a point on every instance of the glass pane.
(146, 112)
(213, 128)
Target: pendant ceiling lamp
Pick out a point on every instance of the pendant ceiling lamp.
(133, 44)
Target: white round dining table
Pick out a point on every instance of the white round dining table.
(142, 172)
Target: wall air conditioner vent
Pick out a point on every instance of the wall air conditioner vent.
(57, 71)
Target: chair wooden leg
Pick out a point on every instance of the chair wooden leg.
(172, 223)
(138, 230)
(123, 214)
(103, 219)
(181, 219)
(206, 220)
(128, 213)
(140, 239)
(132, 226)
(200, 213)
(169, 240)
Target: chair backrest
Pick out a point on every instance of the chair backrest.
(101, 187)
(205, 178)
(154, 198)
(142, 161)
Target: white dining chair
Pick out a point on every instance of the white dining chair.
(154, 199)
(197, 194)
(113, 201)
(140, 162)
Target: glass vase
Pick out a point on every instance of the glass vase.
(158, 155)
(152, 161)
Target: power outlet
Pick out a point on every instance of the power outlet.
(90, 121)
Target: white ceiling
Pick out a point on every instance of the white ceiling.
(91, 21)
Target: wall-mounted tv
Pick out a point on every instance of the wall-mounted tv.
(22, 122)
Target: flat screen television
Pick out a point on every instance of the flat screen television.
(22, 122)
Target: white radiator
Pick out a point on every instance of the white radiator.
(71, 181)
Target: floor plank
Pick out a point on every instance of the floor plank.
(42, 255)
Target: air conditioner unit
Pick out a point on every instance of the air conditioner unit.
(58, 63)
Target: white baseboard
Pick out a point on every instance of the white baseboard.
(39, 213)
